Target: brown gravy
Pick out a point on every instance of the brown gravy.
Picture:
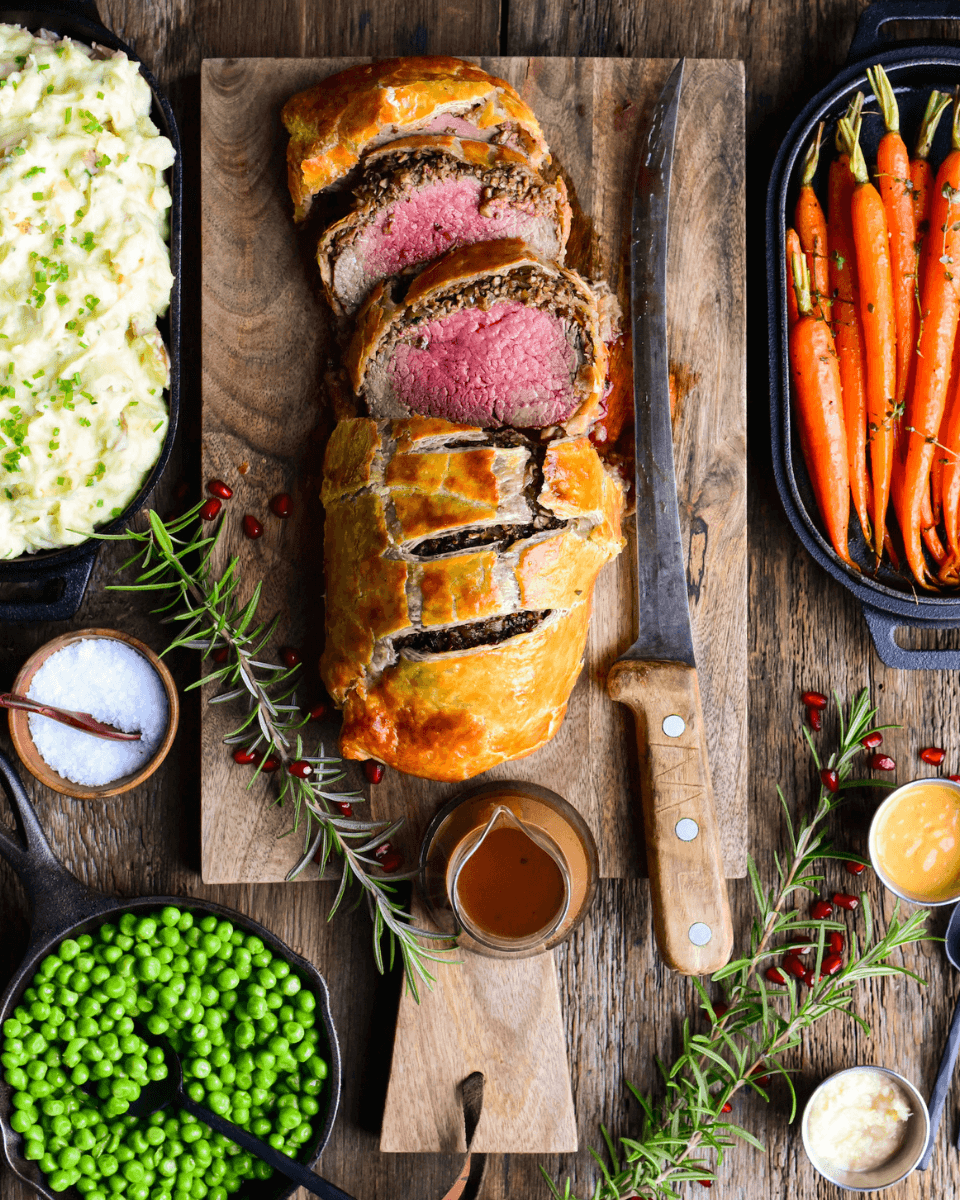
(509, 886)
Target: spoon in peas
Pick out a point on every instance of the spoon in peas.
(160, 1093)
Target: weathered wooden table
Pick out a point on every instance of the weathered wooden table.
(621, 1006)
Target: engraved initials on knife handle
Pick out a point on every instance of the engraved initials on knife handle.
(691, 912)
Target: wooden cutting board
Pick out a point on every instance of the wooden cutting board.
(266, 348)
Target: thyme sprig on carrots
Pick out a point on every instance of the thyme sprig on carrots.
(175, 560)
(685, 1131)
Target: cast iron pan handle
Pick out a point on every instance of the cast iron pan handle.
(882, 628)
(86, 10)
(868, 42)
(57, 897)
(74, 577)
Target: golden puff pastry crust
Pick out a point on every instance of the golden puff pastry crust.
(477, 278)
(460, 570)
(334, 122)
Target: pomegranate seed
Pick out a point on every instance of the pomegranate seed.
(216, 487)
(845, 900)
(854, 868)
(721, 1010)
(380, 851)
(821, 910)
(814, 699)
(301, 769)
(881, 762)
(244, 756)
(391, 862)
(793, 964)
(836, 942)
(762, 1080)
(798, 947)
(775, 975)
(831, 965)
(954, 778)
(872, 740)
(728, 1107)
(270, 763)
(281, 505)
(933, 755)
(815, 718)
(252, 527)
(318, 712)
(830, 779)
(221, 654)
(809, 978)
(373, 770)
(210, 510)
(290, 657)
(346, 810)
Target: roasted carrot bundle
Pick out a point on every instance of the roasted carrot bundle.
(921, 174)
(875, 278)
(940, 309)
(847, 330)
(793, 247)
(815, 372)
(896, 190)
(948, 451)
(811, 227)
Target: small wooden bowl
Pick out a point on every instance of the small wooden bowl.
(20, 725)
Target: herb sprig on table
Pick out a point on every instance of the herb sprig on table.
(175, 559)
(685, 1131)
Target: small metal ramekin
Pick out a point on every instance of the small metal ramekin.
(884, 878)
(901, 1164)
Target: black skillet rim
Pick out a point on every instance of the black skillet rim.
(826, 104)
(66, 22)
(110, 908)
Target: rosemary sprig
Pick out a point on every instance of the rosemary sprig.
(174, 559)
(684, 1134)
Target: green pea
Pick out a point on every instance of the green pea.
(35, 1043)
(68, 950)
(133, 1171)
(203, 1047)
(278, 1046)
(219, 1102)
(268, 1022)
(22, 1120)
(256, 1007)
(16, 1078)
(309, 1106)
(79, 1075)
(290, 986)
(68, 1158)
(33, 1150)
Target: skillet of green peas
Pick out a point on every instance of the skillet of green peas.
(88, 1033)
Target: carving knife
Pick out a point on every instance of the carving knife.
(657, 676)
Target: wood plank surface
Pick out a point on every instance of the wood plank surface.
(266, 344)
(621, 1008)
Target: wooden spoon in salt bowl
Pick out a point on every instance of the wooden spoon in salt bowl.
(77, 720)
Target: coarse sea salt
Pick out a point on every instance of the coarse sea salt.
(117, 685)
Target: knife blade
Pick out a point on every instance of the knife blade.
(657, 676)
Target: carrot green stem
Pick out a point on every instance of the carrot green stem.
(801, 284)
(937, 105)
(853, 116)
(885, 97)
(849, 136)
(811, 159)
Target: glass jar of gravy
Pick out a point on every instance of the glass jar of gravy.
(509, 868)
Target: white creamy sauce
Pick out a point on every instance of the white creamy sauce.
(84, 274)
(857, 1121)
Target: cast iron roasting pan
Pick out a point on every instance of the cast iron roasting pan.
(64, 907)
(888, 598)
(57, 579)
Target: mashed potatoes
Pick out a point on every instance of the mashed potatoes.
(84, 274)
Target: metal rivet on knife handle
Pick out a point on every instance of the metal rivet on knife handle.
(673, 726)
(699, 933)
(687, 829)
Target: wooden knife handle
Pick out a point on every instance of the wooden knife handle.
(691, 913)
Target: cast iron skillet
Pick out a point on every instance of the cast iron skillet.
(888, 598)
(58, 578)
(64, 907)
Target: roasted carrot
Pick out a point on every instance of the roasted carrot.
(948, 452)
(921, 173)
(811, 226)
(875, 279)
(793, 247)
(940, 458)
(819, 408)
(896, 191)
(847, 329)
(940, 309)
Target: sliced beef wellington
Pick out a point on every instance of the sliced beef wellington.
(422, 196)
(333, 123)
(490, 335)
(460, 567)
